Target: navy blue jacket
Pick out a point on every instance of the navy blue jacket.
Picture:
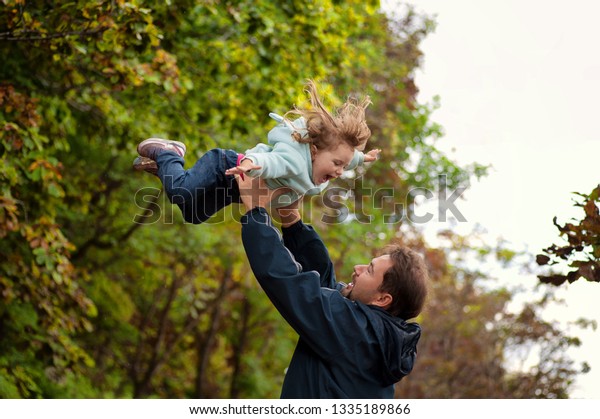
(346, 349)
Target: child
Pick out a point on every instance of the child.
(302, 156)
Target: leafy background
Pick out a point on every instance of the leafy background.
(106, 293)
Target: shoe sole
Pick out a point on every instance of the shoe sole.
(176, 146)
(147, 165)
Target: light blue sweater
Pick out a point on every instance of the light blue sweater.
(287, 163)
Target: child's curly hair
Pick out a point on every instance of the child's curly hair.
(324, 130)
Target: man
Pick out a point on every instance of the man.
(354, 340)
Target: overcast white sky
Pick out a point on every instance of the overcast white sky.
(519, 83)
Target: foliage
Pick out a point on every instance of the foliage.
(104, 291)
(43, 303)
(582, 250)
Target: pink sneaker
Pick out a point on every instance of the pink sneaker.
(145, 164)
(150, 147)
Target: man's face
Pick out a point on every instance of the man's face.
(366, 280)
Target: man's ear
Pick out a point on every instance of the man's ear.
(383, 300)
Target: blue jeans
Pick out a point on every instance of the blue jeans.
(202, 190)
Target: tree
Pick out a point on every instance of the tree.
(107, 74)
(582, 250)
(66, 65)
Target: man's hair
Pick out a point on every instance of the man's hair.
(324, 130)
(405, 281)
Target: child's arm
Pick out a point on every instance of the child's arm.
(282, 161)
(245, 166)
(360, 158)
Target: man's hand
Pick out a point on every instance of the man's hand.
(254, 192)
(372, 155)
(289, 215)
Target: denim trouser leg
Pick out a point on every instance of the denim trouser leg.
(202, 190)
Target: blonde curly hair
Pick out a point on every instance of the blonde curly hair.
(324, 130)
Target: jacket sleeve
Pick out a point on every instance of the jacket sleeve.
(309, 250)
(315, 313)
(280, 162)
(357, 160)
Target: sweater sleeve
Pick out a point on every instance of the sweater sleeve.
(357, 160)
(315, 313)
(280, 162)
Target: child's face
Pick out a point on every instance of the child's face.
(329, 163)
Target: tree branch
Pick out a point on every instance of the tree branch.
(37, 36)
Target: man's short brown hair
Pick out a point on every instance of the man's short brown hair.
(406, 282)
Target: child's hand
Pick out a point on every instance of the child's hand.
(244, 167)
(372, 155)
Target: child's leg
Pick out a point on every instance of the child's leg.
(202, 190)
